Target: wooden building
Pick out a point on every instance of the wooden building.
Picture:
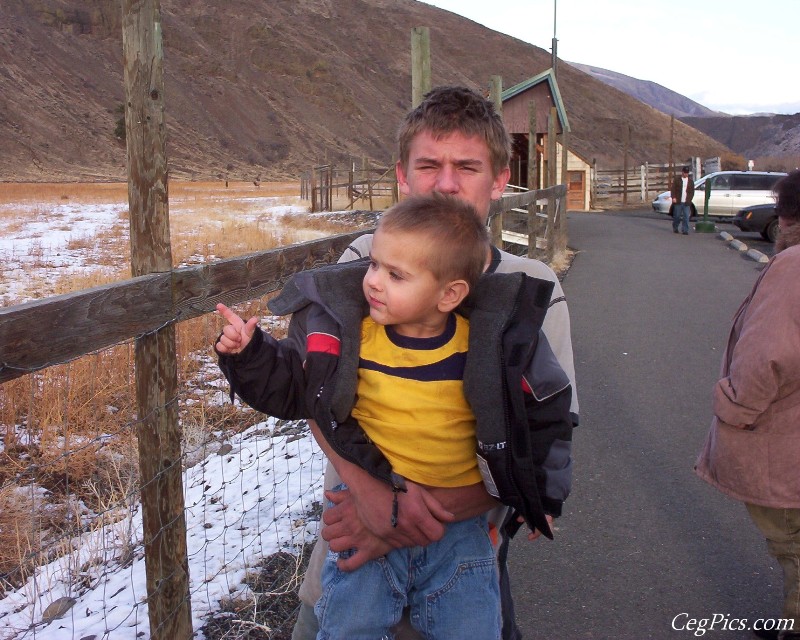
(543, 90)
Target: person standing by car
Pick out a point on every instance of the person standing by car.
(752, 450)
(682, 194)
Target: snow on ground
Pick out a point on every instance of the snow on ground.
(35, 245)
(242, 506)
(42, 243)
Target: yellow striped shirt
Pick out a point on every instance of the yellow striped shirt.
(411, 403)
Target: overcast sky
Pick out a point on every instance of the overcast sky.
(735, 56)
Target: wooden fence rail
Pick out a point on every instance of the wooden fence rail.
(638, 182)
(38, 334)
(325, 183)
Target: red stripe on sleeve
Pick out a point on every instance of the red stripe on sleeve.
(526, 387)
(322, 343)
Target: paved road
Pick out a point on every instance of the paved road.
(643, 539)
(752, 239)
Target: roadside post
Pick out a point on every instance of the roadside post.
(705, 225)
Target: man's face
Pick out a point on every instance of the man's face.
(453, 165)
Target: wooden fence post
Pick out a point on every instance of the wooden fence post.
(496, 93)
(395, 183)
(534, 221)
(314, 190)
(552, 168)
(560, 236)
(643, 178)
(496, 96)
(420, 64)
(159, 434)
(329, 189)
(367, 171)
(350, 178)
(625, 165)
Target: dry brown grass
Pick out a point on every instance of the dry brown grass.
(71, 430)
(17, 534)
(45, 192)
(208, 221)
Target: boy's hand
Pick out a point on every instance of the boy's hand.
(236, 335)
(535, 533)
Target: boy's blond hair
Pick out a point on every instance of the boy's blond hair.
(456, 241)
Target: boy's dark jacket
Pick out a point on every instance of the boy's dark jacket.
(519, 394)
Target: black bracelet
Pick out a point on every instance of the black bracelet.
(395, 490)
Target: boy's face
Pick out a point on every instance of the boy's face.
(400, 290)
(453, 165)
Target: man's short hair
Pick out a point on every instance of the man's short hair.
(787, 192)
(685, 170)
(455, 240)
(446, 110)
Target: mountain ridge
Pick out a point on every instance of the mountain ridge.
(255, 90)
(656, 95)
(771, 140)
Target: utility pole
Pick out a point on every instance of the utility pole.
(554, 62)
(420, 64)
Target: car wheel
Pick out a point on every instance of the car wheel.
(771, 231)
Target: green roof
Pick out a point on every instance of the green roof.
(549, 77)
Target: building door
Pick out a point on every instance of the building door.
(576, 190)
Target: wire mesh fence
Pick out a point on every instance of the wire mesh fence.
(71, 536)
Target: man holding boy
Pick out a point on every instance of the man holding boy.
(453, 143)
(411, 402)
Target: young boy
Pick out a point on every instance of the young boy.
(427, 254)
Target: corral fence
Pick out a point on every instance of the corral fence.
(330, 188)
(641, 183)
(637, 184)
(79, 327)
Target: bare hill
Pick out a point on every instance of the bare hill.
(657, 96)
(268, 88)
(771, 140)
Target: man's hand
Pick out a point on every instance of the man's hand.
(532, 535)
(344, 531)
(236, 335)
(420, 516)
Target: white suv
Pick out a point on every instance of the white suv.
(730, 191)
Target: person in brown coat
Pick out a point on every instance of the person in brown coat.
(682, 193)
(753, 448)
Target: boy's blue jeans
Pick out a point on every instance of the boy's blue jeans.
(451, 587)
